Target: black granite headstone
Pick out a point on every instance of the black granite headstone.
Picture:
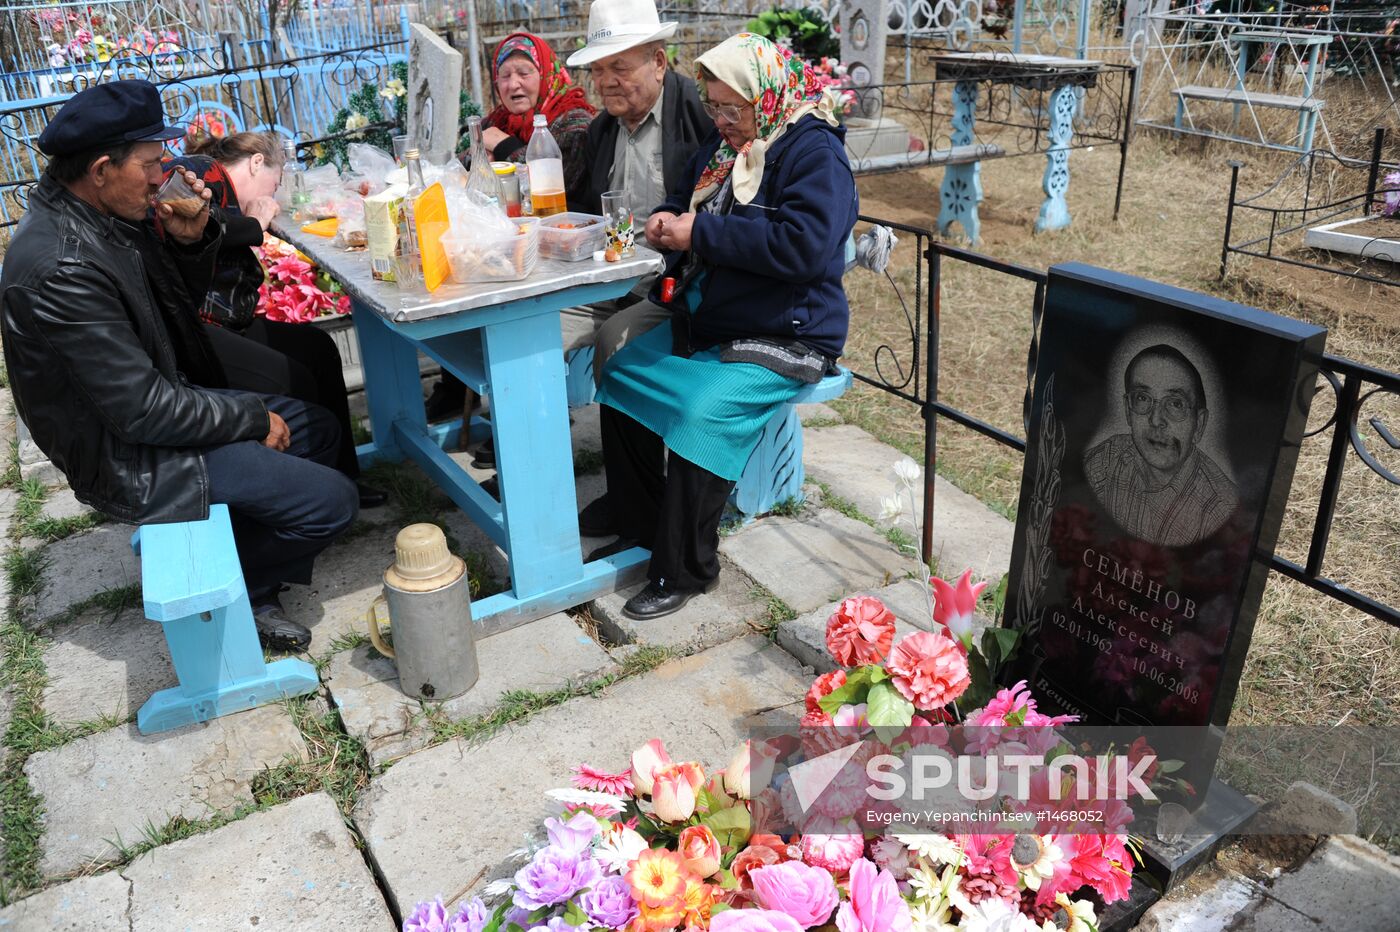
(1164, 432)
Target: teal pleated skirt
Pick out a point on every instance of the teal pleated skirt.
(709, 412)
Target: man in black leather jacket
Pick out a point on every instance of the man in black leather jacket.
(114, 378)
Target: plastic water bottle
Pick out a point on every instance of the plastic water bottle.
(545, 164)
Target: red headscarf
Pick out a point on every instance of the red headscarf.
(558, 95)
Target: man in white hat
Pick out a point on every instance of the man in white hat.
(653, 124)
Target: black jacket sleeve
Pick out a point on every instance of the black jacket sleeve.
(79, 316)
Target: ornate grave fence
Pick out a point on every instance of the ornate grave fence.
(1353, 427)
(297, 97)
(1288, 221)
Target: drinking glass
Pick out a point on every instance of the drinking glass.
(618, 231)
(177, 193)
(400, 147)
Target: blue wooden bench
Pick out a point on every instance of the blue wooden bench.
(774, 471)
(191, 583)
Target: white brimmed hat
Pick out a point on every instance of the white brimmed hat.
(618, 25)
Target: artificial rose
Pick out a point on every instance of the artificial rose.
(673, 795)
(700, 849)
(804, 892)
(875, 904)
(609, 903)
(860, 631)
(646, 760)
(427, 917)
(750, 770)
(929, 670)
(753, 920)
(552, 876)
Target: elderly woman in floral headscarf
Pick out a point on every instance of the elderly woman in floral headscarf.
(528, 79)
(756, 244)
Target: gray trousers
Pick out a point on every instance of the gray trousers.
(608, 329)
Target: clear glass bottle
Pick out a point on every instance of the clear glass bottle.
(408, 262)
(298, 194)
(545, 164)
(480, 177)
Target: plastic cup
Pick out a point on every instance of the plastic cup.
(179, 196)
(400, 147)
(618, 230)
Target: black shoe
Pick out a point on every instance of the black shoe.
(608, 550)
(370, 497)
(485, 457)
(278, 632)
(491, 485)
(596, 519)
(446, 401)
(658, 600)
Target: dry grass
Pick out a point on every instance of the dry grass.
(1312, 659)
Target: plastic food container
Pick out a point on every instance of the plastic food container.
(477, 258)
(571, 236)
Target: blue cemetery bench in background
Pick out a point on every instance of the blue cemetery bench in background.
(192, 583)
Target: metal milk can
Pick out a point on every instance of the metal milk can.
(429, 607)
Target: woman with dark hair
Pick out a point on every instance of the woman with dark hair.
(526, 78)
(243, 172)
(756, 245)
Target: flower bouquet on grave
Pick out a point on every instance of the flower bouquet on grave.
(663, 845)
(295, 290)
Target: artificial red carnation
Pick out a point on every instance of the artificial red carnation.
(860, 631)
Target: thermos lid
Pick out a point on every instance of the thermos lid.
(422, 560)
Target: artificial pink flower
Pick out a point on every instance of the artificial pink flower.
(929, 670)
(750, 770)
(835, 853)
(825, 685)
(600, 781)
(753, 920)
(1103, 862)
(673, 793)
(646, 761)
(700, 849)
(875, 904)
(954, 605)
(804, 892)
(860, 631)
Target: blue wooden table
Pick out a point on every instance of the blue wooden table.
(502, 340)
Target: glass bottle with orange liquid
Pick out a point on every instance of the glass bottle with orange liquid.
(545, 164)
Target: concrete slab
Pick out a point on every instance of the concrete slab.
(64, 504)
(88, 904)
(809, 561)
(294, 866)
(9, 498)
(107, 787)
(585, 429)
(1211, 902)
(541, 656)
(860, 469)
(438, 819)
(1347, 881)
(101, 664)
(817, 412)
(349, 576)
(722, 614)
(82, 566)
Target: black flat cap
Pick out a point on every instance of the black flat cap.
(107, 114)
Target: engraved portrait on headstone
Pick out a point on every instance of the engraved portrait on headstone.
(1159, 473)
(434, 92)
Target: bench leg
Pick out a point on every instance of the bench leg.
(773, 473)
(961, 191)
(220, 665)
(578, 382)
(1054, 211)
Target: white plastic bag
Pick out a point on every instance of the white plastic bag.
(374, 163)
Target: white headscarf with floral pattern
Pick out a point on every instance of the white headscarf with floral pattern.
(783, 89)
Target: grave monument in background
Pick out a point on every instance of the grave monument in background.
(434, 95)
